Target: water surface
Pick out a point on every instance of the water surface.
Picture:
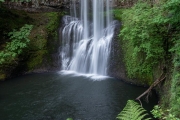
(57, 96)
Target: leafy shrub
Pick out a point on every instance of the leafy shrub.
(173, 17)
(143, 36)
(118, 13)
(164, 115)
(151, 37)
(19, 41)
(157, 112)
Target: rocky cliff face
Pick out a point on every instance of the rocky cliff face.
(36, 62)
(38, 5)
(116, 65)
(38, 56)
(54, 5)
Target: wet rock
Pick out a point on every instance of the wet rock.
(116, 66)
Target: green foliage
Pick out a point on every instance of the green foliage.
(173, 17)
(133, 111)
(19, 41)
(175, 88)
(157, 112)
(53, 24)
(172, 7)
(118, 13)
(143, 38)
(11, 19)
(161, 114)
(52, 29)
(151, 36)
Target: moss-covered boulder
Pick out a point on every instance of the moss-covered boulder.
(43, 41)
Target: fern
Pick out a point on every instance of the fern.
(133, 111)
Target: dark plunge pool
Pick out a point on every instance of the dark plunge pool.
(58, 96)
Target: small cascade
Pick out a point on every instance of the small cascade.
(86, 37)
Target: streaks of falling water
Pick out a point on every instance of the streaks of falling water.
(86, 43)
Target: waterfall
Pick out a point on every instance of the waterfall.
(86, 37)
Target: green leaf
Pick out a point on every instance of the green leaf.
(133, 111)
(19, 41)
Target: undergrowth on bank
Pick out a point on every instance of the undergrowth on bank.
(133, 111)
(143, 46)
(32, 51)
(19, 41)
(117, 14)
(151, 42)
(159, 113)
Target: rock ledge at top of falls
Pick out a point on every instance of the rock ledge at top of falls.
(46, 5)
(36, 6)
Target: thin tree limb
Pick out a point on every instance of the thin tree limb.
(161, 78)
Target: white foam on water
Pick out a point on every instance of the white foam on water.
(94, 77)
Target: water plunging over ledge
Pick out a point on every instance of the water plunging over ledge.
(86, 49)
(86, 39)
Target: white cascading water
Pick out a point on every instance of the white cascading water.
(86, 40)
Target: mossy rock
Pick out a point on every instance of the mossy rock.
(38, 39)
(36, 59)
(43, 38)
(53, 21)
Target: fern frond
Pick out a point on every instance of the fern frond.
(133, 111)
